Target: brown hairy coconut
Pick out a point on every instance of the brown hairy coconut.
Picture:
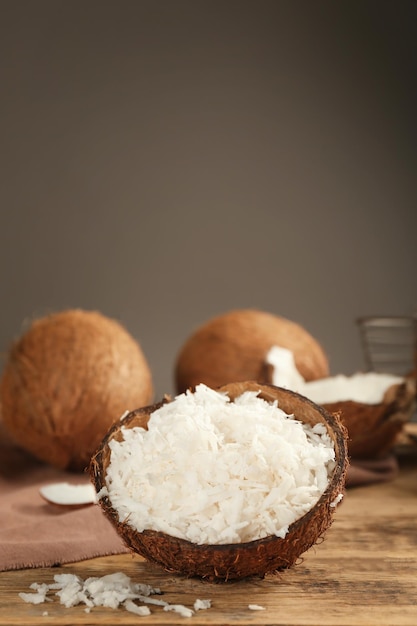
(233, 347)
(373, 428)
(65, 381)
(239, 560)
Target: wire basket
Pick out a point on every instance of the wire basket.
(389, 344)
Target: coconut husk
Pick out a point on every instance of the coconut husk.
(373, 429)
(232, 561)
(66, 380)
(233, 348)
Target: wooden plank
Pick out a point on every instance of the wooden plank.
(363, 573)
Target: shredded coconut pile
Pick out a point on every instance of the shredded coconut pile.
(214, 471)
(112, 591)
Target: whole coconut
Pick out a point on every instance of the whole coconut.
(66, 380)
(233, 348)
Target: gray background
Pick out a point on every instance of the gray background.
(166, 161)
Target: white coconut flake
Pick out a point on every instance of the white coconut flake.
(202, 604)
(102, 493)
(256, 607)
(182, 610)
(214, 471)
(33, 598)
(336, 501)
(132, 607)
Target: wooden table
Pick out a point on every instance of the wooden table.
(364, 573)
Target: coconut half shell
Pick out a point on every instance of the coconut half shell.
(233, 348)
(232, 561)
(374, 428)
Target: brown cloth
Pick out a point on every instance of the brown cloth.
(367, 471)
(34, 533)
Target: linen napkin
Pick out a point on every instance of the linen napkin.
(367, 471)
(34, 533)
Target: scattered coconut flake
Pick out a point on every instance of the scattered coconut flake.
(202, 604)
(132, 607)
(227, 472)
(36, 598)
(112, 591)
(33, 598)
(102, 493)
(66, 494)
(182, 610)
(336, 501)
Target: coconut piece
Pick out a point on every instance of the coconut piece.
(373, 406)
(66, 494)
(66, 379)
(283, 370)
(233, 347)
(201, 605)
(228, 561)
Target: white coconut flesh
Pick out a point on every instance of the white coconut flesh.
(365, 387)
(213, 471)
(65, 494)
(284, 371)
